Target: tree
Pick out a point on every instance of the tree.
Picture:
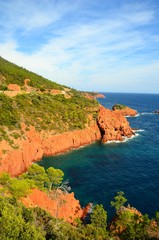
(4, 178)
(97, 228)
(136, 228)
(99, 216)
(20, 188)
(17, 222)
(119, 201)
(157, 218)
(38, 174)
(55, 177)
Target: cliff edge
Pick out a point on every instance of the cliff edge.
(113, 125)
(33, 145)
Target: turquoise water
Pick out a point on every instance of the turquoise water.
(96, 172)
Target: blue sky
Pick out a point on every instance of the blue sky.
(98, 45)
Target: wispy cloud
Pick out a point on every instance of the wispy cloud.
(79, 46)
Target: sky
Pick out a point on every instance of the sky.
(95, 45)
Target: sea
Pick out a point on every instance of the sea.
(98, 171)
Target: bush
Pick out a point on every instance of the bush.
(118, 107)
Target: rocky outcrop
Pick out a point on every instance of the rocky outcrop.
(55, 91)
(113, 125)
(157, 111)
(13, 87)
(124, 110)
(33, 145)
(58, 204)
(91, 95)
(63, 142)
(100, 95)
(26, 82)
(117, 226)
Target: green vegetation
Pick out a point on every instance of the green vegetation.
(59, 113)
(118, 107)
(65, 111)
(46, 111)
(43, 179)
(35, 177)
(119, 201)
(11, 73)
(3, 87)
(19, 222)
(8, 114)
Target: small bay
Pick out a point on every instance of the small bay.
(98, 171)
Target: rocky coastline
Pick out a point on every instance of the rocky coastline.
(34, 145)
(124, 110)
(108, 126)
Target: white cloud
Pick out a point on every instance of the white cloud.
(96, 54)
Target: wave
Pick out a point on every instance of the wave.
(141, 114)
(138, 130)
(113, 141)
(147, 113)
(125, 139)
(137, 115)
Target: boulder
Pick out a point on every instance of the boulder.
(13, 87)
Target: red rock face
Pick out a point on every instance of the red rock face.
(126, 112)
(99, 95)
(63, 142)
(55, 91)
(90, 96)
(35, 145)
(13, 87)
(113, 125)
(60, 205)
(110, 126)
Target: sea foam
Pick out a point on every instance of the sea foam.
(147, 113)
(125, 139)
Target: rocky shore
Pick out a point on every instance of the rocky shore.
(34, 145)
(124, 110)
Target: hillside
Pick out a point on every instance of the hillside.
(11, 73)
(31, 99)
(41, 118)
(37, 119)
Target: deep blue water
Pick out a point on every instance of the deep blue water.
(98, 171)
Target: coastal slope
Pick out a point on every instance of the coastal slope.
(34, 144)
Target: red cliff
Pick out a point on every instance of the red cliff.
(34, 145)
(59, 205)
(113, 125)
(125, 111)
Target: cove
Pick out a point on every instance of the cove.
(97, 171)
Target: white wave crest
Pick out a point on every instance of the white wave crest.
(137, 115)
(138, 130)
(124, 139)
(147, 113)
(113, 141)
